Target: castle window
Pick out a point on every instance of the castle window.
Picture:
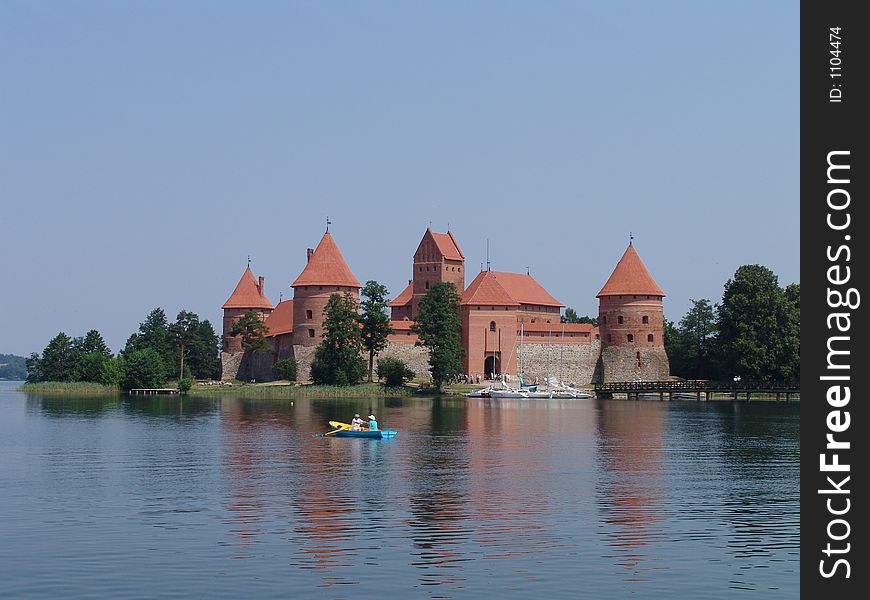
(320, 287)
(598, 336)
(309, 315)
(620, 319)
(492, 325)
(605, 319)
(649, 338)
(427, 283)
(645, 320)
(630, 337)
(310, 333)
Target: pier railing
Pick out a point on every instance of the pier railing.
(745, 389)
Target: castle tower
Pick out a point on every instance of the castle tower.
(438, 258)
(325, 274)
(248, 295)
(631, 323)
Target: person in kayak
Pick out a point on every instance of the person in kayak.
(356, 423)
(373, 423)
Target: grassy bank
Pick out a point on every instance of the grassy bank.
(76, 388)
(290, 390)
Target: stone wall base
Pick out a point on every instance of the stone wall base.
(571, 363)
(627, 364)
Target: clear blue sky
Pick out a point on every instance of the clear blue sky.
(146, 148)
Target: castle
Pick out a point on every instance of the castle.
(508, 319)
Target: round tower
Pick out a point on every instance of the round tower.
(325, 273)
(249, 295)
(631, 324)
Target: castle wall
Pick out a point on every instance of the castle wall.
(631, 310)
(233, 343)
(416, 357)
(620, 363)
(308, 304)
(245, 366)
(571, 363)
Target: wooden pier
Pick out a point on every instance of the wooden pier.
(698, 389)
(154, 392)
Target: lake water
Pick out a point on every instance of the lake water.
(230, 497)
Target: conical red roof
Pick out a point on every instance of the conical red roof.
(630, 277)
(326, 266)
(247, 294)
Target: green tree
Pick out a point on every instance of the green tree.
(374, 320)
(394, 372)
(154, 333)
(202, 354)
(113, 371)
(186, 331)
(93, 342)
(59, 359)
(253, 331)
(145, 369)
(285, 369)
(437, 326)
(757, 339)
(184, 384)
(90, 367)
(698, 337)
(571, 316)
(337, 359)
(33, 363)
(790, 359)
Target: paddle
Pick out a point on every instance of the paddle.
(338, 425)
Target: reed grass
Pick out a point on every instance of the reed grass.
(70, 388)
(363, 390)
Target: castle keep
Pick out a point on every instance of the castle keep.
(510, 323)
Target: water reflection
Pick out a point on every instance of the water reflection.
(474, 497)
(631, 488)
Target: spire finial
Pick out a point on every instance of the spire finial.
(528, 271)
(488, 268)
(249, 261)
(630, 238)
(328, 223)
(280, 296)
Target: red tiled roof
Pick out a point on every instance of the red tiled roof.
(486, 289)
(281, 319)
(525, 290)
(246, 294)
(630, 277)
(326, 266)
(447, 245)
(405, 297)
(557, 327)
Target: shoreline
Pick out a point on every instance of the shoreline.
(280, 390)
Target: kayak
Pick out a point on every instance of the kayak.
(343, 430)
(377, 434)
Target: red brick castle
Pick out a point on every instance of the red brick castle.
(507, 319)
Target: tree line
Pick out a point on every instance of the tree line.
(754, 332)
(185, 349)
